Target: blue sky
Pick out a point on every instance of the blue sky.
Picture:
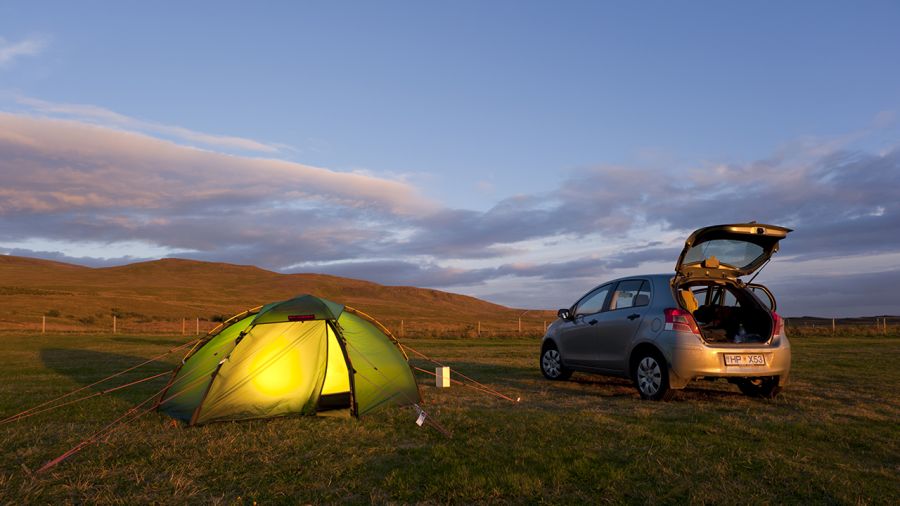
(516, 151)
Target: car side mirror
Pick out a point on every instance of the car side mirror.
(564, 314)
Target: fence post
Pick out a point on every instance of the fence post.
(832, 326)
(198, 325)
(183, 322)
(884, 325)
(114, 324)
(43, 324)
(545, 326)
(479, 328)
(520, 325)
(402, 333)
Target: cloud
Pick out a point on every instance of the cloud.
(590, 268)
(70, 181)
(11, 51)
(838, 294)
(63, 166)
(105, 117)
(841, 204)
(58, 256)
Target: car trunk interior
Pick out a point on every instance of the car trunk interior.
(726, 313)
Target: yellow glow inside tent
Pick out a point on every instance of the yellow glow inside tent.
(337, 378)
(276, 370)
(267, 365)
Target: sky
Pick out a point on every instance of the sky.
(520, 152)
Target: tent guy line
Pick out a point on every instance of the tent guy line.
(453, 371)
(18, 416)
(22, 416)
(275, 345)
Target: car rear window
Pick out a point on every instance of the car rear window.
(738, 254)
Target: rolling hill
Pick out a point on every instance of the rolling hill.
(157, 295)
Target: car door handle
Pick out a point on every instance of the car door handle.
(592, 322)
(633, 316)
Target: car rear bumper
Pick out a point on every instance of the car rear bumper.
(693, 361)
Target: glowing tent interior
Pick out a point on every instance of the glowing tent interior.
(305, 355)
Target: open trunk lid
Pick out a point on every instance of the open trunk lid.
(728, 251)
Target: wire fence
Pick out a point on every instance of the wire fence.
(866, 326)
(416, 328)
(197, 326)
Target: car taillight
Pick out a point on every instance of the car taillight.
(679, 319)
(779, 324)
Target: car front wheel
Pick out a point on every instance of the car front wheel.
(551, 364)
(651, 377)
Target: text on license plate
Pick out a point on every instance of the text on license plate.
(744, 359)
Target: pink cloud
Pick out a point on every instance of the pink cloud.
(53, 164)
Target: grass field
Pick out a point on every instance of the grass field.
(832, 437)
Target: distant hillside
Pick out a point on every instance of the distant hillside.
(160, 293)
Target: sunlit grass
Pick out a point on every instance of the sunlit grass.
(832, 437)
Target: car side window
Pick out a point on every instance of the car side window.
(627, 294)
(730, 299)
(592, 302)
(764, 296)
(643, 296)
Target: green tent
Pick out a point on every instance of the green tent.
(305, 355)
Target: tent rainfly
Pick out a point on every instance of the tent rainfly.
(305, 355)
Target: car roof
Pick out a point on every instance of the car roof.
(656, 279)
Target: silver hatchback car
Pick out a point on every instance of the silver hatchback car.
(665, 330)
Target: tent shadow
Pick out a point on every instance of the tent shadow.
(154, 341)
(85, 367)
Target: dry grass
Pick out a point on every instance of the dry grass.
(832, 436)
(154, 297)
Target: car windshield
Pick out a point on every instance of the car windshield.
(737, 254)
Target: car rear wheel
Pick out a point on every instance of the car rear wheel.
(551, 364)
(651, 377)
(766, 388)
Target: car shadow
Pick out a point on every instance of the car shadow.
(87, 367)
(695, 391)
(528, 379)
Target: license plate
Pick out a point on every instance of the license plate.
(744, 359)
